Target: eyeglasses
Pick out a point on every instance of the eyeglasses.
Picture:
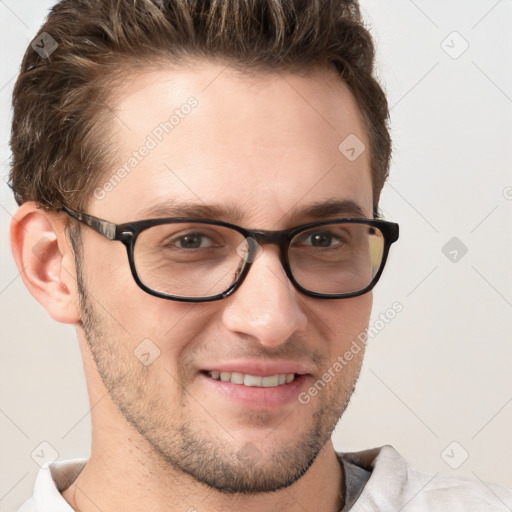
(201, 260)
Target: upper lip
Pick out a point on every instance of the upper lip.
(259, 368)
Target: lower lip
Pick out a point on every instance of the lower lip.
(258, 397)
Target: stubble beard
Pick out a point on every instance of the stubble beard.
(187, 447)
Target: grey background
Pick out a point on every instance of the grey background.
(436, 382)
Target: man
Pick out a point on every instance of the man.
(198, 186)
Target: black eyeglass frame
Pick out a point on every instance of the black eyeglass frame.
(128, 232)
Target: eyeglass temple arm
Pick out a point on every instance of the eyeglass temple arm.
(107, 229)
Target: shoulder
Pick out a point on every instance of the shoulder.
(28, 506)
(464, 494)
(50, 481)
(394, 485)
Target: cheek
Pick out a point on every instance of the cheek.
(343, 321)
(133, 316)
(348, 325)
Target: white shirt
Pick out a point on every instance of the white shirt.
(377, 480)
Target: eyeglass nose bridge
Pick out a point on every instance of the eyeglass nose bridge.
(255, 239)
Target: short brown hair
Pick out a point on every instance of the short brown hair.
(59, 140)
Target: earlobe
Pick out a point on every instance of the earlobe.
(45, 261)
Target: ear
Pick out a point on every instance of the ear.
(45, 260)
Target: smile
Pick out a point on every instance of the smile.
(253, 380)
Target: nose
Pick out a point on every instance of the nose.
(266, 305)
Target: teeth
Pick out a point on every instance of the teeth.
(237, 378)
(268, 382)
(253, 380)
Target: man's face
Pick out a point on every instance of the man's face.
(267, 148)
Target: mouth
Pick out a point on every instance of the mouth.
(248, 380)
(260, 385)
(266, 391)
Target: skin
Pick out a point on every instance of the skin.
(162, 438)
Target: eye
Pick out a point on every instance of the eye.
(192, 241)
(324, 238)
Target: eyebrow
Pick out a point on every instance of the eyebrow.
(330, 207)
(315, 211)
(171, 208)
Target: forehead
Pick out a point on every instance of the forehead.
(265, 144)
